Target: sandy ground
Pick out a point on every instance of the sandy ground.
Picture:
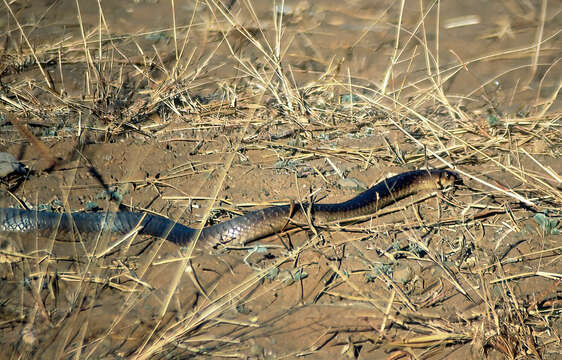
(467, 273)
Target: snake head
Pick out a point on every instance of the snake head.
(448, 178)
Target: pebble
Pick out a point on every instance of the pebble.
(403, 274)
(351, 184)
(9, 164)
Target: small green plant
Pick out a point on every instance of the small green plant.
(493, 120)
(416, 249)
(300, 274)
(272, 274)
(546, 224)
(111, 193)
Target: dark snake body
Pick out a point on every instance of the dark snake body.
(240, 230)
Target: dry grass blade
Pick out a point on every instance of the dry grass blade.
(45, 74)
(201, 111)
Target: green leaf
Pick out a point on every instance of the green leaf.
(493, 120)
(548, 226)
(300, 274)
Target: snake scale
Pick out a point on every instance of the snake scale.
(239, 230)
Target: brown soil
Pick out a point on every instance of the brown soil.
(470, 273)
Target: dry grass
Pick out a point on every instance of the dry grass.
(475, 272)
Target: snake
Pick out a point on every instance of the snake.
(243, 229)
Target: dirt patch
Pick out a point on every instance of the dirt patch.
(224, 108)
